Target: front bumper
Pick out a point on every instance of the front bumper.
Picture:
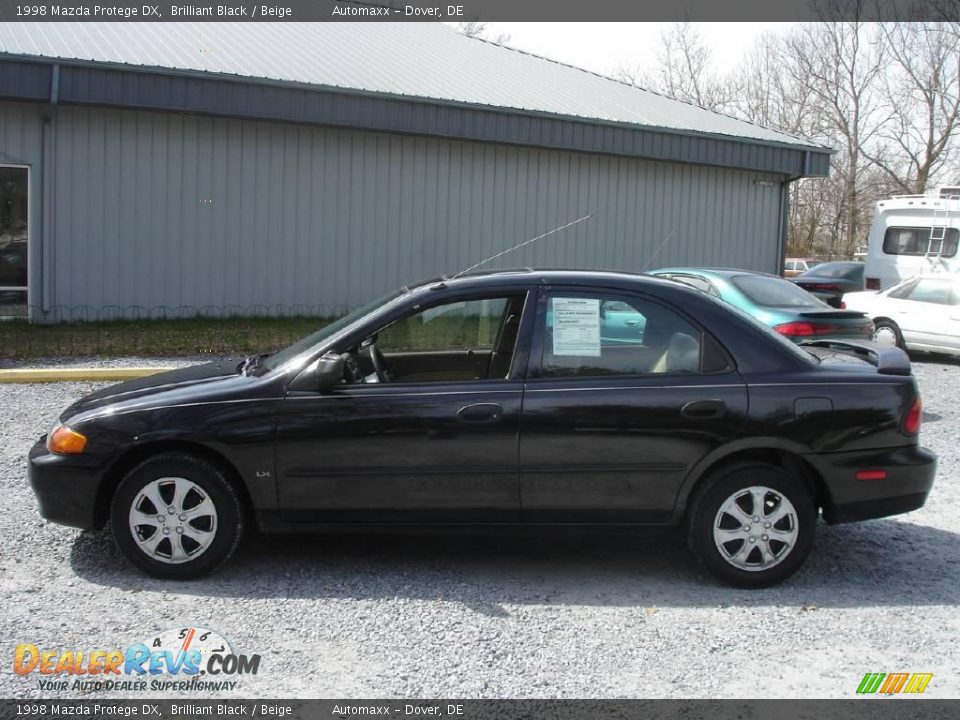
(66, 486)
(910, 472)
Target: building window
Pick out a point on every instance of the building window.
(13, 241)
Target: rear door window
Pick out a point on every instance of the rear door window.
(592, 335)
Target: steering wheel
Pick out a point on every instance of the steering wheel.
(379, 362)
(352, 368)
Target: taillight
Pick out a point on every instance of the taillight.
(843, 305)
(804, 329)
(911, 421)
(873, 283)
(819, 286)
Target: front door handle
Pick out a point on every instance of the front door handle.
(480, 413)
(704, 410)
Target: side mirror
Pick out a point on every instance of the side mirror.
(329, 371)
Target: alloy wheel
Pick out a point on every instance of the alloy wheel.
(173, 520)
(755, 528)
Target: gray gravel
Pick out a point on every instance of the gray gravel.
(516, 615)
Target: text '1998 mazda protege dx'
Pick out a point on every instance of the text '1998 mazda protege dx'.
(506, 398)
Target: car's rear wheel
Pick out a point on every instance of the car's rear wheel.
(887, 334)
(752, 526)
(176, 516)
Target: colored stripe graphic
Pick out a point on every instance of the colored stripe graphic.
(870, 683)
(918, 682)
(894, 682)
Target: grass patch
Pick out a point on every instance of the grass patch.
(20, 340)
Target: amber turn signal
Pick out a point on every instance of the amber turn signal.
(65, 441)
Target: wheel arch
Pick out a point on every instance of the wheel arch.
(138, 453)
(786, 457)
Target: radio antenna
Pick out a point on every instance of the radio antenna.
(649, 260)
(525, 242)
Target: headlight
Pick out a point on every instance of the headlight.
(64, 441)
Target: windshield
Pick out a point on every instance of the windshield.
(849, 271)
(774, 292)
(277, 359)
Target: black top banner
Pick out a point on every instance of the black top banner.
(474, 10)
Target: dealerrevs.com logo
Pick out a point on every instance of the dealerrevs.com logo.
(178, 659)
(894, 683)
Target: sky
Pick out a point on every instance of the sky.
(602, 47)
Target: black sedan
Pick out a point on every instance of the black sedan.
(502, 398)
(830, 280)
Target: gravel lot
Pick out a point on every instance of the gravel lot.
(516, 615)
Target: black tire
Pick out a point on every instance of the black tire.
(225, 523)
(725, 484)
(886, 323)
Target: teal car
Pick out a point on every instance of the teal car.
(775, 302)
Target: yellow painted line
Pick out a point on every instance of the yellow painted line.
(47, 375)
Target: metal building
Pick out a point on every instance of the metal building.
(220, 166)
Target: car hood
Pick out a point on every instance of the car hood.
(181, 385)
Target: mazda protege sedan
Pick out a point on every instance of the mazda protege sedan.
(526, 397)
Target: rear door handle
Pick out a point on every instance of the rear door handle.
(704, 409)
(480, 413)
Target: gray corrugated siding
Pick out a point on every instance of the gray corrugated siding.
(213, 95)
(164, 209)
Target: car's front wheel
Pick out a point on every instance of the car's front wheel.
(752, 526)
(176, 516)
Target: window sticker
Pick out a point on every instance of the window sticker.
(576, 326)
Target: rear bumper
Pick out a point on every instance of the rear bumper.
(66, 486)
(910, 472)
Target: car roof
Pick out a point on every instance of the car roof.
(500, 278)
(713, 272)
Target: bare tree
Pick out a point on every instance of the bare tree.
(885, 97)
(838, 63)
(684, 69)
(480, 30)
(634, 74)
(770, 96)
(922, 94)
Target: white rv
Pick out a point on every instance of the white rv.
(913, 235)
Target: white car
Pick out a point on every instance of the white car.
(922, 313)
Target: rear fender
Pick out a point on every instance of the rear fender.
(760, 447)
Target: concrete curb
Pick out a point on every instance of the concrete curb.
(54, 374)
